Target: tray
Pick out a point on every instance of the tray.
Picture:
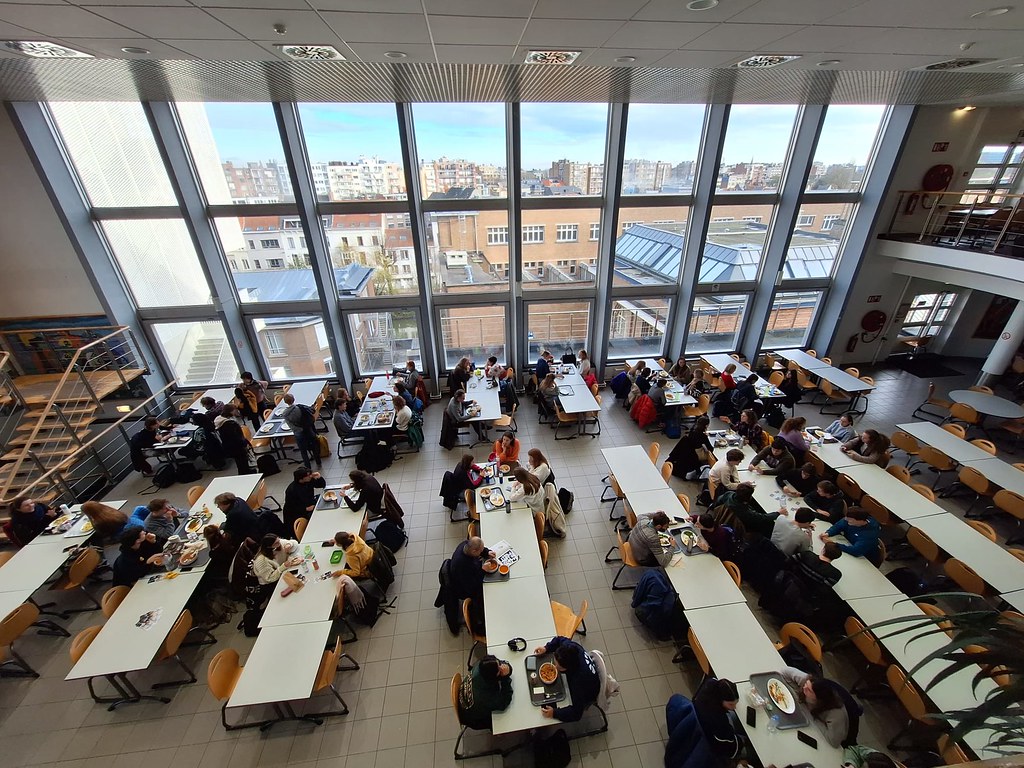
(680, 546)
(491, 507)
(492, 577)
(800, 716)
(200, 562)
(566, 391)
(180, 530)
(542, 695)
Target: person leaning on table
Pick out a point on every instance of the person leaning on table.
(276, 555)
(776, 457)
(792, 536)
(817, 571)
(823, 701)
(528, 489)
(739, 510)
(861, 530)
(485, 690)
(581, 676)
(715, 703)
(467, 577)
(803, 480)
(725, 472)
(827, 501)
(141, 555)
(162, 519)
(645, 539)
(458, 411)
(358, 555)
(868, 447)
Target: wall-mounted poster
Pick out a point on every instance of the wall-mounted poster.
(995, 317)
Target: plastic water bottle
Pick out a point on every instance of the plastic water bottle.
(773, 723)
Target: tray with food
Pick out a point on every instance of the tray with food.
(495, 571)
(62, 523)
(547, 685)
(385, 418)
(687, 540)
(329, 498)
(364, 419)
(781, 699)
(193, 557)
(494, 499)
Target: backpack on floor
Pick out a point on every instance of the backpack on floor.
(774, 415)
(250, 624)
(267, 465)
(186, 472)
(374, 457)
(324, 446)
(552, 751)
(164, 477)
(566, 498)
(390, 535)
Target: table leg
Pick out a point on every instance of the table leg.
(132, 693)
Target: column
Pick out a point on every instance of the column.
(1009, 341)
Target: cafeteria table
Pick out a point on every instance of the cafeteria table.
(488, 400)
(221, 395)
(988, 405)
(833, 455)
(240, 485)
(521, 714)
(581, 400)
(315, 601)
(783, 747)
(632, 468)
(655, 500)
(801, 358)
(76, 531)
(734, 642)
(1000, 570)
(703, 582)
(276, 431)
(958, 449)
(371, 406)
(860, 578)
(518, 607)
(327, 519)
(719, 362)
(1000, 473)
(517, 528)
(304, 392)
(892, 493)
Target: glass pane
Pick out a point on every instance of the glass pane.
(476, 332)
(662, 142)
(983, 176)
(237, 151)
(114, 153)
(461, 150)
(844, 148)
(756, 145)
(736, 237)
(715, 323)
(1008, 176)
(817, 238)
(354, 151)
(790, 319)
(294, 347)
(649, 246)
(638, 327)
(556, 327)
(199, 353)
(385, 340)
(993, 153)
(563, 148)
(558, 247)
(1017, 154)
(158, 261)
(468, 250)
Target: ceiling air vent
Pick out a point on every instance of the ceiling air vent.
(763, 62)
(41, 49)
(957, 64)
(311, 52)
(551, 57)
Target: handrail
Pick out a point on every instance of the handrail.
(88, 444)
(973, 219)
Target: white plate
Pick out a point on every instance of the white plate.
(780, 695)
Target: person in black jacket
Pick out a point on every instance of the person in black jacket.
(233, 438)
(803, 480)
(300, 495)
(142, 441)
(715, 703)
(371, 495)
(467, 574)
(684, 456)
(827, 501)
(141, 554)
(240, 521)
(29, 518)
(584, 681)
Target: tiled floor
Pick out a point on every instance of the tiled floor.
(400, 707)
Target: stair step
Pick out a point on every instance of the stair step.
(42, 453)
(43, 438)
(55, 423)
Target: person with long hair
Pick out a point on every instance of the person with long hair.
(106, 521)
(728, 382)
(141, 554)
(539, 466)
(792, 431)
(585, 365)
(467, 473)
(680, 371)
(459, 376)
(791, 388)
(371, 493)
(824, 702)
(358, 555)
(548, 391)
(506, 448)
(715, 703)
(869, 447)
(527, 488)
(749, 429)
(275, 556)
(687, 456)
(29, 518)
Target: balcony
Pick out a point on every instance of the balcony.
(982, 222)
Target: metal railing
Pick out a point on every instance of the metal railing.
(975, 220)
(49, 350)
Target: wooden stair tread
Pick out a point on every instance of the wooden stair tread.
(37, 389)
(41, 438)
(54, 423)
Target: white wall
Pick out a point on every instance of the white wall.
(42, 275)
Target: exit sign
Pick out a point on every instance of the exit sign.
(940, 146)
(874, 299)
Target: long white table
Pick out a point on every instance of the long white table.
(304, 392)
(328, 520)
(515, 527)
(674, 391)
(240, 485)
(703, 582)
(1000, 473)
(581, 400)
(892, 493)
(719, 362)
(801, 358)
(734, 641)
(282, 665)
(658, 499)
(832, 455)
(484, 396)
(372, 407)
(632, 468)
(521, 715)
(1001, 570)
(845, 381)
(783, 747)
(958, 449)
(31, 566)
(220, 394)
(76, 531)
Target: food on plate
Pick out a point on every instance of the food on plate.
(188, 556)
(58, 522)
(330, 496)
(383, 418)
(689, 537)
(485, 492)
(490, 566)
(504, 468)
(497, 499)
(548, 673)
(779, 693)
(194, 524)
(87, 526)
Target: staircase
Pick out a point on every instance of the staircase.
(206, 360)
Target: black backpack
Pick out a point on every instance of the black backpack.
(308, 419)
(374, 457)
(566, 498)
(267, 464)
(552, 751)
(390, 535)
(164, 477)
(186, 472)
(269, 522)
(382, 567)
(774, 415)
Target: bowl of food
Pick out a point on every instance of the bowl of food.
(497, 499)
(490, 566)
(503, 570)
(485, 492)
(548, 673)
(330, 496)
(193, 525)
(188, 557)
(504, 469)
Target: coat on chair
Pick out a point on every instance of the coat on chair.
(686, 747)
(644, 412)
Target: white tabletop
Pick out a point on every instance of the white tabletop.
(892, 493)
(122, 646)
(651, 362)
(702, 582)
(783, 747)
(801, 358)
(988, 405)
(1000, 473)
(860, 578)
(282, 666)
(515, 527)
(240, 485)
(11, 600)
(1015, 599)
(520, 715)
(958, 449)
(734, 641)
(517, 608)
(313, 602)
(845, 381)
(1000, 569)
(484, 396)
(633, 470)
(581, 400)
(221, 394)
(278, 428)
(832, 455)
(76, 531)
(663, 499)
(306, 392)
(720, 361)
(327, 520)
(33, 565)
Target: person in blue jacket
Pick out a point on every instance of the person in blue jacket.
(581, 675)
(861, 530)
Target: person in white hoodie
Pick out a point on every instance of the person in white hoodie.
(725, 473)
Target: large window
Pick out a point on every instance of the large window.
(649, 246)
(715, 323)
(756, 146)
(293, 347)
(198, 354)
(475, 331)
(817, 239)
(461, 149)
(928, 313)
(465, 255)
(559, 328)
(114, 153)
(637, 327)
(662, 144)
(996, 171)
(237, 151)
(383, 341)
(844, 148)
(790, 319)
(735, 243)
(563, 148)
(354, 151)
(554, 255)
(158, 261)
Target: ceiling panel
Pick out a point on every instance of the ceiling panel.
(504, 9)
(605, 57)
(181, 3)
(569, 33)
(225, 50)
(368, 6)
(676, 10)
(379, 28)
(59, 22)
(453, 30)
(476, 54)
(163, 23)
(949, 14)
(112, 47)
(788, 11)
(810, 39)
(302, 26)
(587, 9)
(729, 37)
(654, 34)
(415, 52)
(944, 43)
(862, 61)
(692, 59)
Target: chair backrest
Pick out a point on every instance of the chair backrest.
(924, 490)
(456, 685)
(194, 493)
(81, 642)
(867, 380)
(112, 598)
(1016, 552)
(907, 693)
(804, 636)
(328, 666)
(259, 493)
(816, 460)
(630, 514)
(827, 360)
(956, 429)
(734, 571)
(876, 509)
(933, 457)
(712, 486)
(300, 527)
(905, 442)
(222, 674)
(470, 496)
(14, 624)
(698, 652)
(4, 557)
(86, 562)
(472, 529)
(964, 412)
(653, 452)
(855, 372)
(538, 525)
(685, 501)
(864, 640)
(976, 481)
(952, 753)
(543, 552)
(1019, 465)
(776, 378)
(626, 551)
(984, 529)
(923, 544)
(615, 486)
(982, 389)
(986, 445)
(267, 413)
(666, 470)
(941, 617)
(466, 605)
(965, 576)
(900, 473)
(849, 487)
(812, 353)
(178, 633)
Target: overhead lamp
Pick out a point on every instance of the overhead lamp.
(395, 55)
(701, 5)
(625, 59)
(135, 51)
(992, 12)
(124, 409)
(827, 62)
(43, 49)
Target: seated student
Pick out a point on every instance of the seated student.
(403, 414)
(791, 388)
(634, 371)
(229, 428)
(467, 574)
(300, 495)
(458, 412)
(371, 493)
(827, 502)
(842, 428)
(697, 386)
(547, 392)
(725, 471)
(801, 481)
(861, 530)
(528, 489)
(646, 541)
(412, 376)
(466, 476)
(403, 392)
(868, 448)
(581, 675)
(358, 555)
(140, 555)
(776, 457)
(29, 518)
(460, 376)
(486, 689)
(792, 431)
(824, 702)
(162, 519)
(240, 522)
(716, 538)
(680, 371)
(506, 448)
(817, 571)
(543, 367)
(643, 380)
(684, 456)
(584, 364)
(657, 393)
(739, 510)
(143, 441)
(275, 556)
(539, 466)
(745, 393)
(343, 420)
(107, 522)
(728, 382)
(715, 703)
(221, 555)
(748, 428)
(792, 536)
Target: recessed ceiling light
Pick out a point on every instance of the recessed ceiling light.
(765, 61)
(967, 108)
(395, 55)
(306, 52)
(701, 5)
(827, 62)
(991, 12)
(551, 57)
(1011, 66)
(625, 59)
(134, 50)
(42, 49)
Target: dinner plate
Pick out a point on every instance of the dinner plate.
(194, 524)
(780, 695)
(188, 558)
(87, 526)
(59, 521)
(485, 492)
(497, 499)
(505, 468)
